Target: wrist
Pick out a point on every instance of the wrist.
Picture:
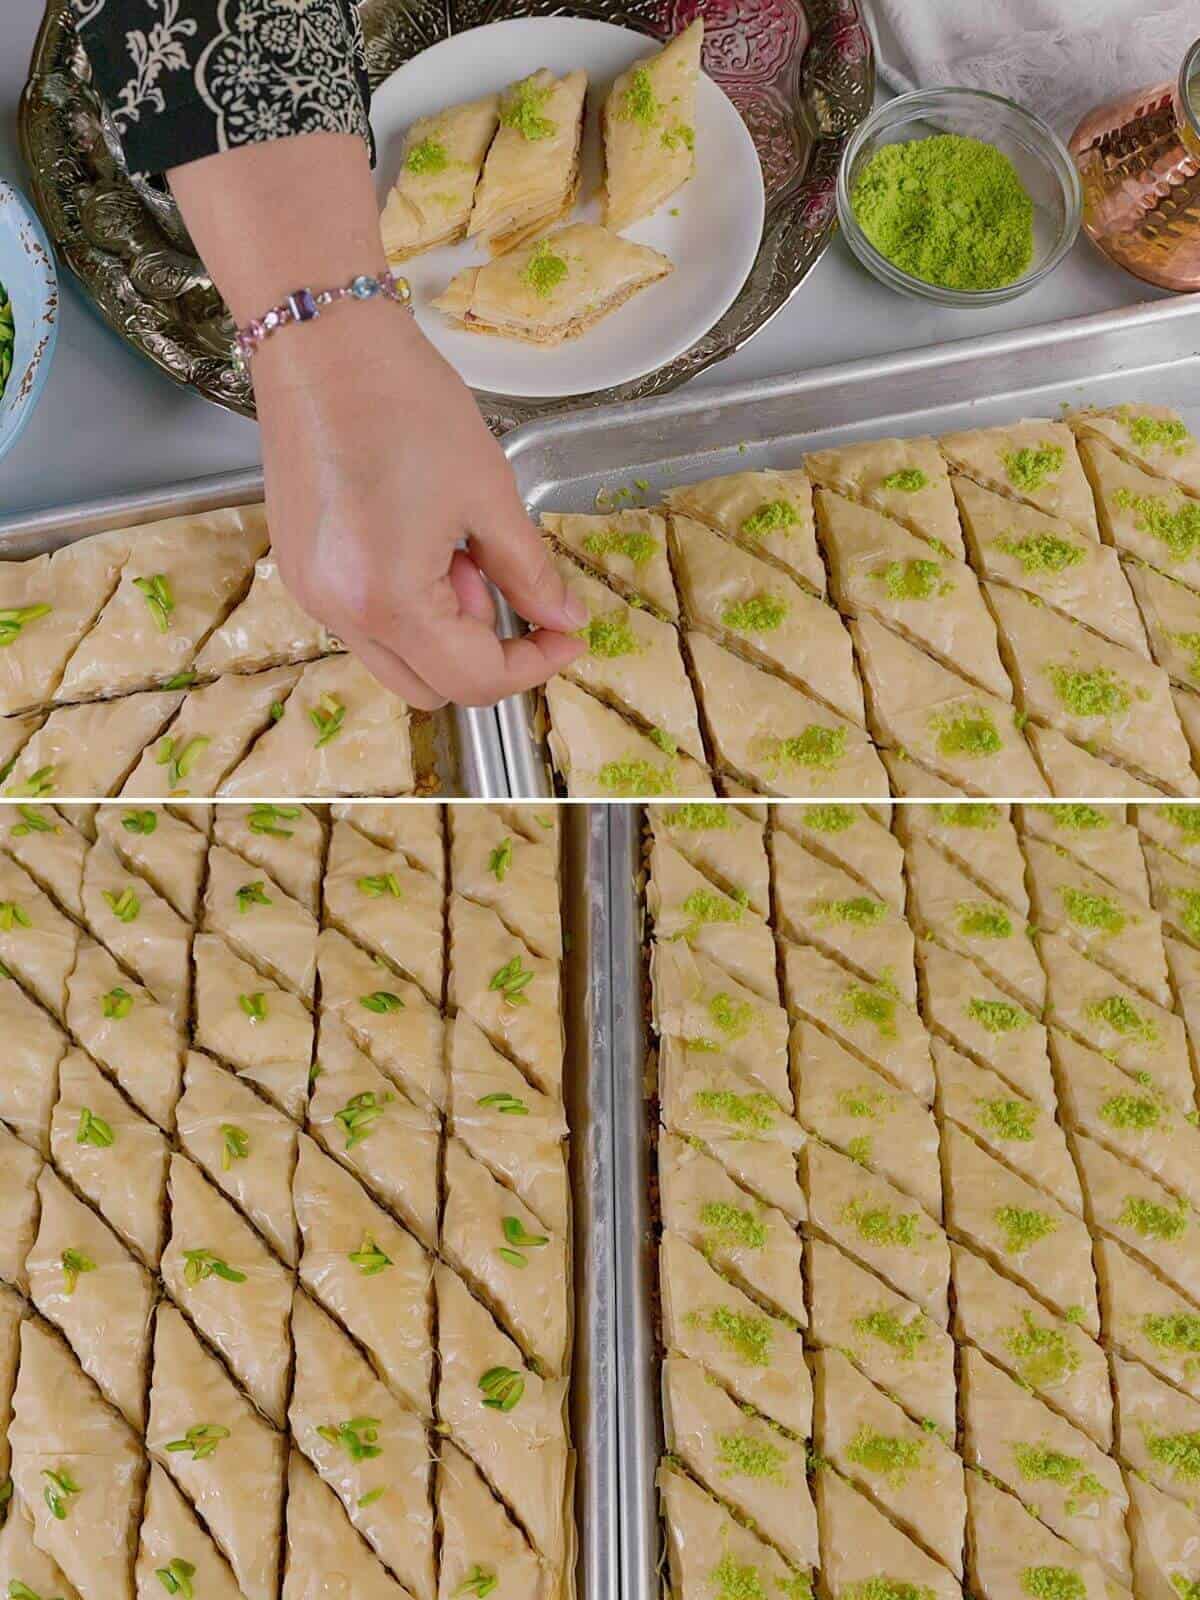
(340, 352)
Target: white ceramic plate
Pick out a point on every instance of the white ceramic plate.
(712, 237)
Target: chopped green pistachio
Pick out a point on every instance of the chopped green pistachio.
(998, 1016)
(698, 818)
(235, 1145)
(253, 894)
(1173, 1330)
(633, 778)
(664, 741)
(1158, 432)
(1023, 1227)
(796, 1587)
(872, 1003)
(859, 1150)
(200, 1441)
(829, 819)
(518, 1238)
(681, 134)
(357, 1436)
(74, 1264)
(13, 915)
(202, 1264)
(1123, 1017)
(328, 717)
(543, 273)
(883, 1226)
(502, 1389)
(908, 480)
(1176, 525)
(507, 1105)
(371, 1496)
(523, 110)
(94, 1130)
(1043, 1355)
(639, 103)
(1088, 910)
(254, 1006)
(511, 981)
(180, 680)
(892, 1456)
(1139, 1111)
(1078, 818)
(276, 711)
(1095, 693)
(1187, 1588)
(634, 544)
(733, 1017)
(773, 516)
(360, 1114)
(116, 1004)
(983, 919)
(885, 1588)
(480, 1582)
(911, 580)
(968, 814)
(1042, 1462)
(1184, 817)
(610, 636)
(265, 819)
(158, 597)
(816, 746)
(862, 910)
(144, 822)
(731, 1227)
(904, 1337)
(761, 613)
(500, 860)
(176, 1577)
(753, 1111)
(382, 1002)
(369, 1258)
(124, 906)
(746, 1334)
(1028, 468)
(746, 1455)
(735, 1580)
(380, 884)
(1043, 552)
(864, 1102)
(427, 158)
(1152, 1220)
(1053, 1583)
(35, 788)
(15, 618)
(32, 821)
(971, 733)
(1009, 1118)
(59, 1490)
(1074, 1314)
(704, 906)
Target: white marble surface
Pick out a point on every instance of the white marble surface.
(108, 423)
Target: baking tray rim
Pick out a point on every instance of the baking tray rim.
(478, 749)
(525, 757)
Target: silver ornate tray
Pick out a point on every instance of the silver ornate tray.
(801, 73)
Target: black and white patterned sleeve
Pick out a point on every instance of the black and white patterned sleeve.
(189, 78)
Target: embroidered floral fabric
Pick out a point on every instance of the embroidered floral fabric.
(188, 78)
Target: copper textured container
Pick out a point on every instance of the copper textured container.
(1139, 159)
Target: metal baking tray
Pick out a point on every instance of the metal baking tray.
(457, 753)
(1147, 352)
(640, 1431)
(588, 1093)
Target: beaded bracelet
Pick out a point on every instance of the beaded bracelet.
(305, 306)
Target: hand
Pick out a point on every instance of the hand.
(377, 461)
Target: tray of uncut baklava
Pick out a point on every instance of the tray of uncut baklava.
(971, 570)
(305, 1263)
(149, 648)
(908, 1178)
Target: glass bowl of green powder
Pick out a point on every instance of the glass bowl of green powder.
(958, 196)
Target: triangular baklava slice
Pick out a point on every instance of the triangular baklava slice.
(531, 175)
(649, 129)
(440, 162)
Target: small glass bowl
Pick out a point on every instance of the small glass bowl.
(1040, 157)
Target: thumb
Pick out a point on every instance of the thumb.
(509, 549)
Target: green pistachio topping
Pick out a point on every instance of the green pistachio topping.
(427, 158)
(760, 614)
(864, 1102)
(376, 885)
(235, 1145)
(1158, 433)
(1043, 552)
(202, 1264)
(357, 1436)
(360, 1114)
(883, 1226)
(176, 1577)
(544, 270)
(1184, 817)
(15, 618)
(94, 1130)
(911, 580)
(502, 1389)
(479, 1581)
(744, 1334)
(733, 1017)
(200, 1441)
(254, 1007)
(908, 480)
(634, 544)
(1178, 1452)
(756, 1112)
(266, 820)
(518, 1239)
(253, 894)
(773, 516)
(859, 1150)
(983, 919)
(871, 1003)
(60, 1489)
(511, 981)
(1053, 1583)
(1173, 1330)
(633, 778)
(707, 905)
(1095, 693)
(505, 1104)
(156, 592)
(1189, 902)
(829, 819)
(681, 135)
(1136, 1111)
(1008, 1118)
(968, 814)
(882, 1587)
(1043, 1354)
(906, 1338)
(735, 1580)
(1029, 468)
(32, 821)
(1174, 523)
(382, 1002)
(1023, 1227)
(13, 915)
(891, 1456)
(732, 1227)
(610, 635)
(1153, 1220)
(747, 1455)
(144, 822)
(1078, 818)
(35, 788)
(1043, 1462)
(639, 103)
(860, 909)
(1187, 1588)
(1123, 1017)
(124, 906)
(817, 746)
(971, 733)
(74, 1264)
(328, 717)
(369, 1258)
(699, 818)
(116, 1004)
(524, 107)
(500, 860)
(1088, 910)
(998, 1016)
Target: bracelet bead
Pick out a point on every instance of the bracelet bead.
(306, 305)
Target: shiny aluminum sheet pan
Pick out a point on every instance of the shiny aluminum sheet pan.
(588, 1090)
(457, 752)
(1147, 353)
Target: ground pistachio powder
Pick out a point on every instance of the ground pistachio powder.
(949, 210)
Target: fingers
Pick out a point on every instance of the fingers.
(464, 660)
(387, 667)
(514, 556)
(470, 586)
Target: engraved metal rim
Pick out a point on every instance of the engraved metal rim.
(74, 163)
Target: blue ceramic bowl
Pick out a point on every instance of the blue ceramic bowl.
(28, 274)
